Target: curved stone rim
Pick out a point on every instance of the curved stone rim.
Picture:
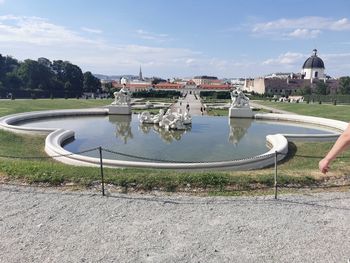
(56, 137)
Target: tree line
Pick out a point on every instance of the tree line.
(44, 79)
(322, 88)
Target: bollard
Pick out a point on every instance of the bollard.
(276, 174)
(101, 168)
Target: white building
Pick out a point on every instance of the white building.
(313, 68)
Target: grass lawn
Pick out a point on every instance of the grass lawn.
(15, 106)
(337, 112)
(298, 171)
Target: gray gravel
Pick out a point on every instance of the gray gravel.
(48, 225)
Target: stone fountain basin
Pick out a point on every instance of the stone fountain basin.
(277, 142)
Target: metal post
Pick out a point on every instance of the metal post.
(276, 174)
(101, 168)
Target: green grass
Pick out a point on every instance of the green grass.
(337, 112)
(298, 171)
(224, 112)
(217, 112)
(16, 106)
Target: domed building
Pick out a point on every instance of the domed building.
(286, 84)
(313, 68)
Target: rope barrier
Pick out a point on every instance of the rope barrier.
(100, 150)
(155, 159)
(172, 161)
(47, 157)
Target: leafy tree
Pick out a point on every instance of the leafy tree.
(156, 80)
(67, 72)
(108, 88)
(306, 90)
(43, 78)
(7, 65)
(36, 77)
(45, 62)
(344, 84)
(67, 88)
(91, 83)
(322, 88)
(74, 75)
(13, 83)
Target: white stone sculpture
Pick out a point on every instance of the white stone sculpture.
(240, 105)
(239, 99)
(146, 117)
(122, 97)
(169, 120)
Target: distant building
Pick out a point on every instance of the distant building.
(313, 71)
(279, 75)
(208, 80)
(140, 75)
(313, 68)
(221, 87)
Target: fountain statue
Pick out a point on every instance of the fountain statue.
(240, 105)
(122, 99)
(169, 120)
(146, 117)
(122, 96)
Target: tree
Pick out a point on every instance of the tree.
(43, 78)
(344, 85)
(36, 78)
(7, 65)
(306, 90)
(67, 72)
(322, 88)
(91, 83)
(156, 80)
(45, 62)
(67, 88)
(74, 75)
(13, 83)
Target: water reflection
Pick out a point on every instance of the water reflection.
(167, 136)
(238, 128)
(123, 126)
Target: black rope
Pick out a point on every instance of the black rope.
(310, 156)
(46, 157)
(137, 157)
(157, 160)
(172, 161)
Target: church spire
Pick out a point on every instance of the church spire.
(140, 74)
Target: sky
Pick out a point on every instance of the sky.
(182, 38)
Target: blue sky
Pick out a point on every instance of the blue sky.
(179, 38)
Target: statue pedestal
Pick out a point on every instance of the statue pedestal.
(119, 109)
(244, 112)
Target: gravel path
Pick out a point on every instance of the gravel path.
(48, 225)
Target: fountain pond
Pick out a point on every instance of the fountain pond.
(208, 139)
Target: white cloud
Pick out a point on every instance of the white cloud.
(304, 27)
(92, 30)
(38, 31)
(336, 64)
(288, 58)
(152, 36)
(305, 33)
(34, 37)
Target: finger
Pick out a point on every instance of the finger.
(325, 170)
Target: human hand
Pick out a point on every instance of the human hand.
(323, 165)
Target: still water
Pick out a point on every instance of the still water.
(207, 139)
